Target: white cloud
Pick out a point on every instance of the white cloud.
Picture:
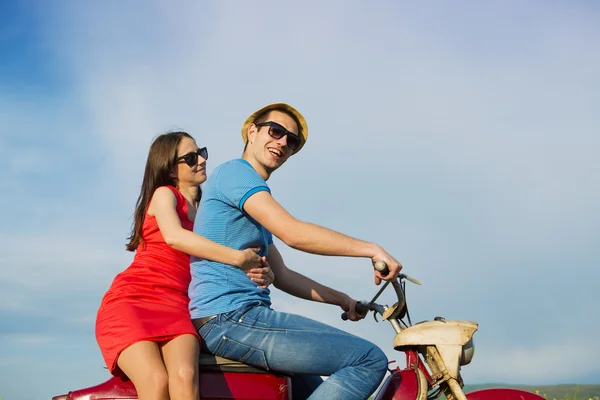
(50, 262)
(14, 300)
(27, 340)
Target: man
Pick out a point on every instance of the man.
(232, 313)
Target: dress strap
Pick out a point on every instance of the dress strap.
(181, 201)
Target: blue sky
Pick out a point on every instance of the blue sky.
(463, 138)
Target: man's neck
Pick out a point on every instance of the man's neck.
(259, 168)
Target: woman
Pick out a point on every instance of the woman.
(143, 325)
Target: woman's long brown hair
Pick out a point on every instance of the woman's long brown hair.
(160, 164)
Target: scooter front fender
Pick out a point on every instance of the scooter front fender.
(406, 384)
(502, 394)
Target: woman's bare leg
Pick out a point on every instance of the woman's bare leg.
(143, 364)
(181, 357)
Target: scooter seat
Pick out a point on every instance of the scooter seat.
(211, 362)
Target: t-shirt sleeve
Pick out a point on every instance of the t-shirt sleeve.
(269, 237)
(236, 182)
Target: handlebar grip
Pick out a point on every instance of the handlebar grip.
(360, 309)
(382, 267)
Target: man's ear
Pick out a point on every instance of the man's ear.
(252, 129)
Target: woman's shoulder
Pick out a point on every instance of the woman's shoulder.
(166, 192)
(166, 195)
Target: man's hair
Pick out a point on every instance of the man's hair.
(264, 117)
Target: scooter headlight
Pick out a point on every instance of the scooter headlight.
(468, 350)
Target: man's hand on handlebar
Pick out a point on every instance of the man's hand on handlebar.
(393, 265)
(349, 306)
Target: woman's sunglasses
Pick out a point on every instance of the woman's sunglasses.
(277, 131)
(191, 158)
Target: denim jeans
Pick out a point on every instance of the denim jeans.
(287, 343)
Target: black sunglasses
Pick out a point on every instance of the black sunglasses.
(277, 132)
(191, 158)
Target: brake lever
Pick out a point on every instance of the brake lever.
(381, 266)
(408, 278)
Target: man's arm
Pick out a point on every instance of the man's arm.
(313, 238)
(301, 235)
(303, 287)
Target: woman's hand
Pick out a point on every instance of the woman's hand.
(263, 275)
(249, 260)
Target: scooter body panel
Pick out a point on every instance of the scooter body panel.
(502, 394)
(406, 384)
(213, 386)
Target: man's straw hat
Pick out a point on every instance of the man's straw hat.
(283, 107)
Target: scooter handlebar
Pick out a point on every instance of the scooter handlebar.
(382, 267)
(361, 308)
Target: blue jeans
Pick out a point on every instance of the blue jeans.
(287, 343)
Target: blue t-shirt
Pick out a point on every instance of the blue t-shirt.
(217, 288)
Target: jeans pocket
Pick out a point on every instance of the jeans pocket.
(232, 350)
(249, 316)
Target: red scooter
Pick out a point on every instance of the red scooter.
(435, 352)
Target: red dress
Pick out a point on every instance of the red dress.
(149, 300)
